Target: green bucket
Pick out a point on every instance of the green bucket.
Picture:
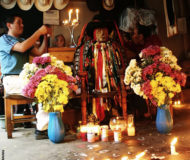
(2, 121)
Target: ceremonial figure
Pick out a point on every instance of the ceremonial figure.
(100, 56)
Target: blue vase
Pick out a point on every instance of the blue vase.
(56, 129)
(164, 120)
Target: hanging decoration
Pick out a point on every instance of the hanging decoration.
(25, 4)
(60, 4)
(43, 5)
(8, 4)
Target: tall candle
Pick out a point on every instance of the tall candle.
(77, 14)
(70, 14)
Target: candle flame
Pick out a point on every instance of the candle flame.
(140, 155)
(124, 158)
(174, 141)
(83, 129)
(77, 10)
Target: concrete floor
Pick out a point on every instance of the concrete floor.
(23, 146)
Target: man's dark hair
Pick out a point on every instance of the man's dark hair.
(9, 19)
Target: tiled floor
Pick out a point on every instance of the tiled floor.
(156, 146)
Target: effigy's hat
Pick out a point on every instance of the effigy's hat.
(93, 5)
(8, 4)
(91, 26)
(25, 4)
(108, 4)
(43, 5)
(60, 4)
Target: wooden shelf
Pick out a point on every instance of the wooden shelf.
(63, 53)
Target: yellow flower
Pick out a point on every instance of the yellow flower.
(53, 93)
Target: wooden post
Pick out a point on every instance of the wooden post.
(83, 96)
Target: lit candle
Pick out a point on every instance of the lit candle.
(124, 158)
(172, 147)
(131, 130)
(65, 22)
(74, 21)
(70, 13)
(77, 14)
(104, 134)
(139, 155)
(117, 136)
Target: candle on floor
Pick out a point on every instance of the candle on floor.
(131, 130)
(104, 133)
(139, 155)
(172, 147)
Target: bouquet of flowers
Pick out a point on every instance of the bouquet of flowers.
(49, 81)
(157, 76)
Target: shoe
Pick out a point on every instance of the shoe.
(41, 134)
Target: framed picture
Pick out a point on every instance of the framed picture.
(170, 16)
(51, 17)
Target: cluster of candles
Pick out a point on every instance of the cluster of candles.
(71, 21)
(92, 132)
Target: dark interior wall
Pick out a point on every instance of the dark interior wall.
(179, 43)
(32, 19)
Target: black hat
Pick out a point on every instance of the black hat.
(93, 5)
(91, 26)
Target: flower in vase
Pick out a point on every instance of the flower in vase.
(49, 81)
(157, 76)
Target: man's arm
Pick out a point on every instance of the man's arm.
(28, 43)
(42, 49)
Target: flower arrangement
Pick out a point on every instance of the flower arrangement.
(157, 76)
(49, 81)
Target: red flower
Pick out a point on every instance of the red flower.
(150, 51)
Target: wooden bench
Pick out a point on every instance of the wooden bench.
(65, 54)
(10, 119)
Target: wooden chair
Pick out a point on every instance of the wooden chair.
(85, 95)
(10, 119)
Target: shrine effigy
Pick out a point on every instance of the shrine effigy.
(99, 54)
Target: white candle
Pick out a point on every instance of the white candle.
(104, 133)
(172, 147)
(70, 14)
(117, 136)
(65, 22)
(139, 155)
(77, 14)
(131, 130)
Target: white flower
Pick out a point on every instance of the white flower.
(169, 58)
(140, 54)
(28, 71)
(45, 55)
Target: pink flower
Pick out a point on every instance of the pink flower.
(41, 60)
(148, 71)
(179, 77)
(165, 68)
(151, 51)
